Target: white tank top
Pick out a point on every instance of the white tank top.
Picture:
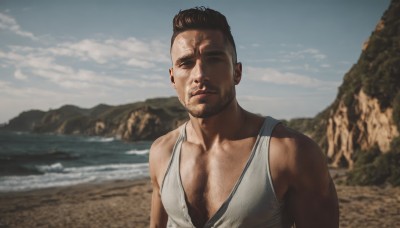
(252, 201)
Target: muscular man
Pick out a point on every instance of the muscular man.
(227, 167)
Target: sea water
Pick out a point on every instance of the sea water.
(33, 161)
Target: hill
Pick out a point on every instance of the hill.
(145, 120)
(360, 129)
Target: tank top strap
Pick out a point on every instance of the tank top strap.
(265, 140)
(269, 126)
(175, 151)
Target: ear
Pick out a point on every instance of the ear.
(237, 73)
(171, 77)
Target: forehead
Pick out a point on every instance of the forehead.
(197, 41)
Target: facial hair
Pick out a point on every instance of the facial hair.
(211, 109)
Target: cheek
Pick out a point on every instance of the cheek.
(181, 89)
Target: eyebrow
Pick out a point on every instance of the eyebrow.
(189, 56)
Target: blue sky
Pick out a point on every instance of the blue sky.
(294, 53)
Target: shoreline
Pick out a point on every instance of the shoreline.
(126, 203)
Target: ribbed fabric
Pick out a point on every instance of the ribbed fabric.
(252, 201)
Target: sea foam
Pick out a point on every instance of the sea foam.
(100, 139)
(56, 175)
(53, 168)
(138, 152)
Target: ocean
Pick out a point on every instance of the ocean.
(34, 161)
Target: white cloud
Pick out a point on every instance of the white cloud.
(9, 23)
(140, 63)
(131, 51)
(303, 54)
(285, 78)
(67, 77)
(122, 54)
(19, 75)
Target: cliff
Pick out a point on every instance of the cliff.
(360, 129)
(365, 112)
(137, 121)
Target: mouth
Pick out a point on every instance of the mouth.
(202, 92)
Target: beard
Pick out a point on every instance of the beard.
(208, 108)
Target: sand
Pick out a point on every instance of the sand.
(127, 204)
(112, 204)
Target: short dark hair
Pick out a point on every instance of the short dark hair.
(202, 18)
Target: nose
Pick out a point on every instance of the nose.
(199, 72)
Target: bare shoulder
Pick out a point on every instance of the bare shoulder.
(295, 160)
(300, 151)
(164, 144)
(160, 154)
(301, 178)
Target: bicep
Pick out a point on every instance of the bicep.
(313, 198)
(312, 208)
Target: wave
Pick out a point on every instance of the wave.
(56, 175)
(100, 139)
(54, 168)
(138, 152)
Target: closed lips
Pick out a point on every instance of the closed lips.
(198, 92)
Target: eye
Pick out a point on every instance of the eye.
(214, 57)
(186, 63)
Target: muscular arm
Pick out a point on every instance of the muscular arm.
(301, 178)
(158, 216)
(311, 194)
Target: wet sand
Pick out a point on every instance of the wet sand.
(127, 204)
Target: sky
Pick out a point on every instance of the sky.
(294, 53)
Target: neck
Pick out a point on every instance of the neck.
(225, 125)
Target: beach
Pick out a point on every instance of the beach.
(110, 204)
(127, 204)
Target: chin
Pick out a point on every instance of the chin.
(205, 111)
(207, 108)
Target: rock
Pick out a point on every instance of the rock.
(137, 121)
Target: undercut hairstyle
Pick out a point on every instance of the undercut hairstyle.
(202, 18)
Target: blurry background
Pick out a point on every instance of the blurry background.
(294, 53)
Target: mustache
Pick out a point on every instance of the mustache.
(206, 87)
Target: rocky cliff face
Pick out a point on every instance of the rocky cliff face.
(138, 121)
(369, 126)
(146, 123)
(366, 111)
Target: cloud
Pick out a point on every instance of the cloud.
(132, 51)
(303, 54)
(10, 24)
(46, 67)
(58, 64)
(19, 75)
(140, 63)
(285, 78)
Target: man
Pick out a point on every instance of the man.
(227, 167)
